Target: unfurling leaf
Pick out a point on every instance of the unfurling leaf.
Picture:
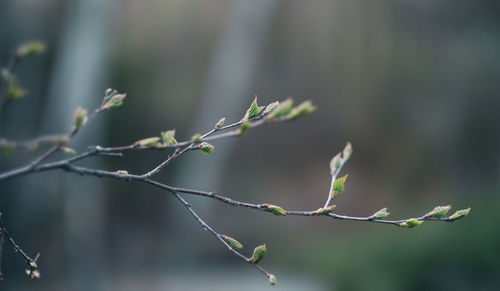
(347, 152)
(148, 142)
(68, 151)
(113, 102)
(338, 186)
(168, 137)
(323, 211)
(253, 110)
(220, 123)
(272, 279)
(411, 223)
(196, 138)
(276, 210)
(245, 125)
(459, 214)
(439, 211)
(31, 48)
(206, 148)
(14, 90)
(381, 214)
(270, 108)
(232, 242)
(281, 110)
(304, 108)
(335, 163)
(258, 253)
(80, 118)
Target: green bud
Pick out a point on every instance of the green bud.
(347, 152)
(220, 123)
(303, 109)
(338, 186)
(276, 210)
(122, 172)
(253, 110)
(323, 211)
(411, 223)
(232, 242)
(245, 125)
(439, 211)
(281, 110)
(272, 279)
(31, 48)
(113, 102)
(147, 142)
(168, 137)
(68, 151)
(258, 253)
(80, 118)
(206, 148)
(335, 163)
(459, 214)
(196, 138)
(381, 214)
(14, 90)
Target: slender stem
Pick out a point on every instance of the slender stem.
(17, 248)
(206, 227)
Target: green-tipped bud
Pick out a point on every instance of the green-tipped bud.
(253, 110)
(30, 48)
(80, 118)
(270, 108)
(220, 123)
(411, 223)
(113, 102)
(335, 163)
(232, 242)
(245, 125)
(276, 210)
(439, 211)
(68, 151)
(122, 172)
(338, 185)
(196, 138)
(168, 137)
(323, 211)
(381, 214)
(206, 148)
(459, 214)
(281, 110)
(258, 253)
(148, 142)
(304, 108)
(347, 152)
(272, 279)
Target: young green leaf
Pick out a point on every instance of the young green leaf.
(232, 242)
(459, 214)
(411, 223)
(281, 110)
(381, 214)
(347, 152)
(113, 102)
(335, 163)
(276, 210)
(148, 142)
(304, 108)
(245, 125)
(338, 186)
(439, 211)
(168, 137)
(258, 253)
(253, 110)
(206, 148)
(31, 48)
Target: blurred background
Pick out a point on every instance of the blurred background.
(413, 85)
